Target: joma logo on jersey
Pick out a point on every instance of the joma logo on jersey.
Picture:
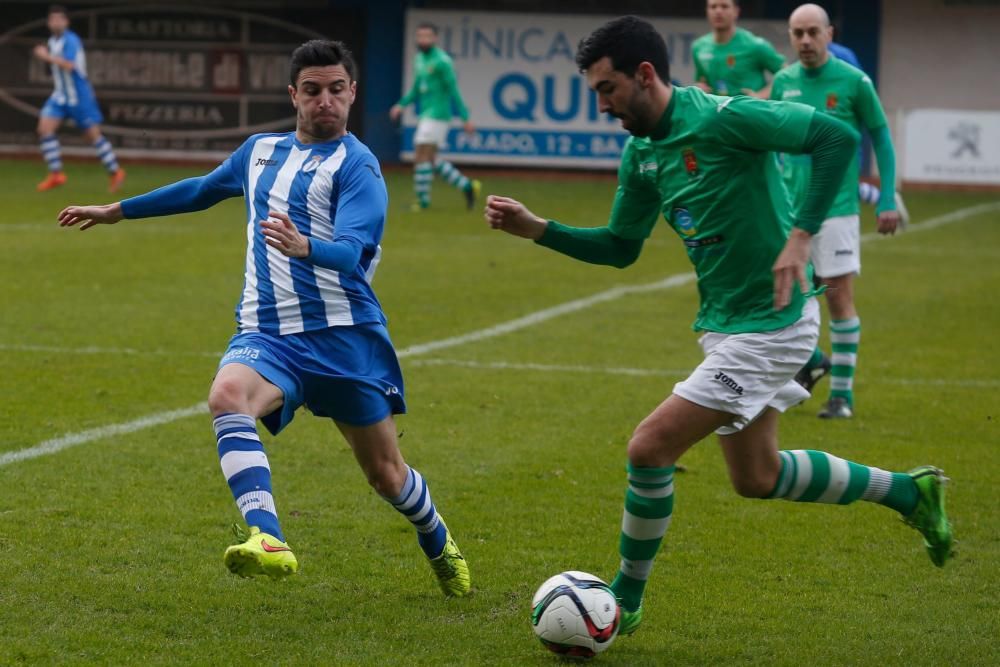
(646, 167)
(790, 93)
(264, 162)
(312, 164)
(729, 382)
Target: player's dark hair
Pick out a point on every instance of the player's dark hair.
(627, 41)
(427, 25)
(58, 9)
(322, 52)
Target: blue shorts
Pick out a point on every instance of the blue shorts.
(348, 373)
(84, 114)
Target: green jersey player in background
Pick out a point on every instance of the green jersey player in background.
(836, 89)
(705, 164)
(435, 91)
(731, 60)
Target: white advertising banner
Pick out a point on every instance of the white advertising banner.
(528, 102)
(948, 146)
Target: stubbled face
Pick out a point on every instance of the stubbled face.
(810, 37)
(426, 38)
(322, 98)
(623, 97)
(722, 14)
(57, 23)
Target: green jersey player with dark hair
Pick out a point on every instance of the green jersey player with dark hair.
(705, 163)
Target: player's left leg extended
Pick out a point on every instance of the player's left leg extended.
(759, 470)
(845, 338)
(376, 448)
(237, 397)
(106, 154)
(423, 174)
(48, 143)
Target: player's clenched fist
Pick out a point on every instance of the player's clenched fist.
(511, 216)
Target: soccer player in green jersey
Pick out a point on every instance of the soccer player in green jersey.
(731, 60)
(706, 164)
(836, 89)
(435, 90)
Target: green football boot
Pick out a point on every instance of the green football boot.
(451, 570)
(630, 621)
(929, 516)
(259, 553)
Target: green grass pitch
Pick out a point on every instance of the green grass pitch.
(111, 551)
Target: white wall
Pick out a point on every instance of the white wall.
(939, 55)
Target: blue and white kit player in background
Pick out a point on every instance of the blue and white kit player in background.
(311, 331)
(73, 98)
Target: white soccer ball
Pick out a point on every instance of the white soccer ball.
(575, 614)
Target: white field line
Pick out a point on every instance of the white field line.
(159, 418)
(72, 439)
(670, 372)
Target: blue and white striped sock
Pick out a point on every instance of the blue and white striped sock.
(868, 193)
(244, 464)
(51, 152)
(106, 154)
(414, 502)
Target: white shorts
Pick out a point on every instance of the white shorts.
(430, 131)
(836, 248)
(743, 374)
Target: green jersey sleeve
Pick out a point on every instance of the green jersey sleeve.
(700, 74)
(411, 95)
(769, 57)
(762, 125)
(869, 108)
(451, 84)
(637, 203)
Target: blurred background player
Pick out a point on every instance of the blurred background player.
(704, 165)
(868, 193)
(833, 87)
(72, 98)
(310, 329)
(435, 92)
(730, 60)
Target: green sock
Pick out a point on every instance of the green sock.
(845, 335)
(450, 173)
(649, 503)
(808, 476)
(815, 360)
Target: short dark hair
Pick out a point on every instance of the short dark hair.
(322, 52)
(627, 41)
(58, 9)
(427, 25)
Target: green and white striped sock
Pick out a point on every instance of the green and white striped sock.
(845, 335)
(649, 503)
(423, 174)
(808, 476)
(450, 173)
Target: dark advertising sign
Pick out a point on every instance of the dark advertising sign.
(171, 78)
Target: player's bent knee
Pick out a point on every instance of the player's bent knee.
(648, 448)
(386, 478)
(227, 396)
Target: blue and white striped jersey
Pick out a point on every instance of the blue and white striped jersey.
(331, 191)
(71, 87)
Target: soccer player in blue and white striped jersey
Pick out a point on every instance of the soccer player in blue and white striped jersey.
(72, 97)
(310, 329)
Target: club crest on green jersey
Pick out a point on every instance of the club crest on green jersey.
(831, 101)
(690, 162)
(684, 222)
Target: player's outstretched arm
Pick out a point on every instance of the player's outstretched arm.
(88, 216)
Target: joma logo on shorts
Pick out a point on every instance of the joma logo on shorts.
(729, 382)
